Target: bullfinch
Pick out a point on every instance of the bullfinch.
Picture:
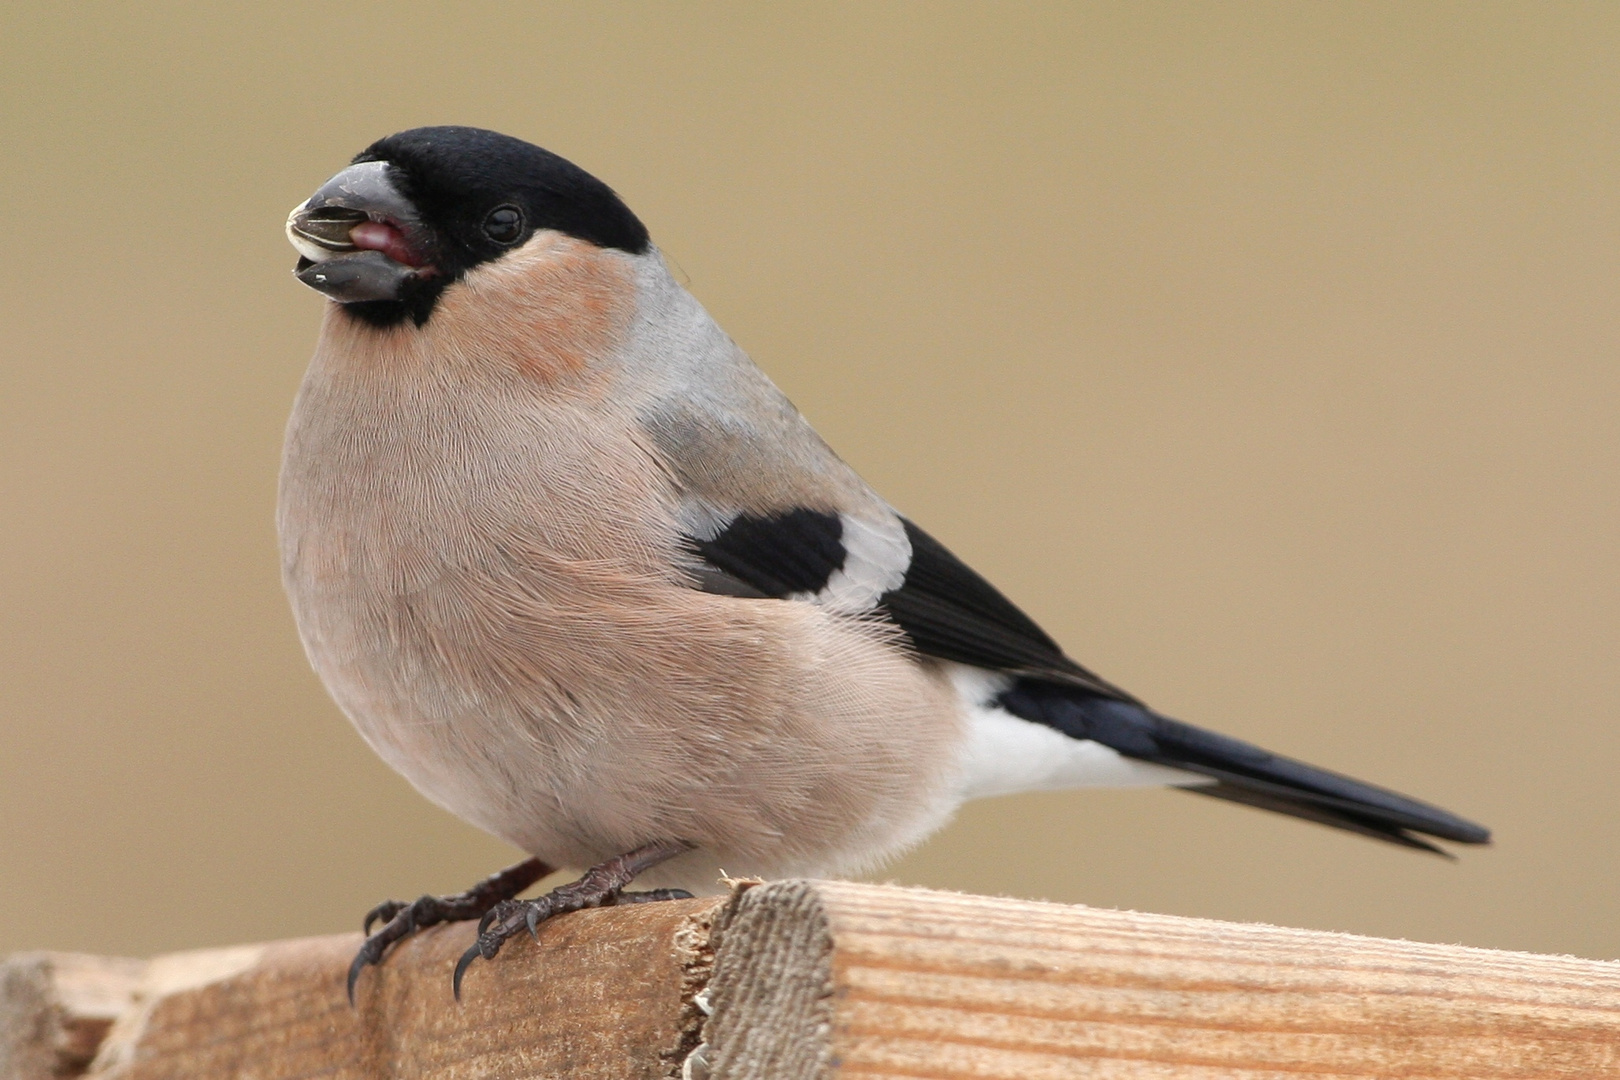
(573, 565)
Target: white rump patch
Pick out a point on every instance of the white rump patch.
(1003, 754)
(876, 558)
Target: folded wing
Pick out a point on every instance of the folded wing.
(949, 612)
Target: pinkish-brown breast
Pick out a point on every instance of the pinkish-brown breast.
(552, 310)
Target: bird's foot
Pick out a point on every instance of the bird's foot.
(400, 920)
(601, 886)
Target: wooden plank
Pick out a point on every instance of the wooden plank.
(823, 979)
(602, 994)
(808, 980)
(55, 1009)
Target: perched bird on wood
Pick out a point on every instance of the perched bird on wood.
(577, 569)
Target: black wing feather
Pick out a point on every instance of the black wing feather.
(951, 613)
(946, 609)
(777, 554)
(1242, 772)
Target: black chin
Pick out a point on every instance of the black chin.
(381, 313)
(417, 299)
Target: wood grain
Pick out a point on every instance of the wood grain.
(807, 980)
(822, 979)
(600, 995)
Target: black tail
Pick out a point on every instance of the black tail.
(1242, 773)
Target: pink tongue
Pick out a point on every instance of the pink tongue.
(380, 236)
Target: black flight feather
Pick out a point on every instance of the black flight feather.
(949, 612)
(1243, 772)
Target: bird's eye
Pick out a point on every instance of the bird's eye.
(504, 224)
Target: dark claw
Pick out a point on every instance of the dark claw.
(370, 952)
(461, 968)
(499, 923)
(401, 920)
(400, 925)
(602, 885)
(382, 912)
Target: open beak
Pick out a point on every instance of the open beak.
(359, 237)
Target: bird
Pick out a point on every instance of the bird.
(573, 565)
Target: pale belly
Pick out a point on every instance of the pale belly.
(577, 714)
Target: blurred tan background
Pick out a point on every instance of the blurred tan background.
(1266, 353)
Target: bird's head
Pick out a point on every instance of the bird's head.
(416, 211)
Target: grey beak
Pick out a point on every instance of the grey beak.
(365, 275)
(320, 228)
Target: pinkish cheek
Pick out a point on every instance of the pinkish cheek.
(383, 237)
